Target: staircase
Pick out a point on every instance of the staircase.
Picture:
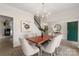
(37, 22)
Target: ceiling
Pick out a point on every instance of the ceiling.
(50, 7)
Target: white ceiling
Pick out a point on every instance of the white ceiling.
(50, 7)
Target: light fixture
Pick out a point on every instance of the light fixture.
(42, 15)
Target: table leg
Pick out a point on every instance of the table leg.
(40, 52)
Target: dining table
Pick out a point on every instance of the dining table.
(39, 40)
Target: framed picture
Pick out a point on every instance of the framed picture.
(57, 28)
(25, 26)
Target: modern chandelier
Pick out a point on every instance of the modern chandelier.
(41, 18)
(42, 15)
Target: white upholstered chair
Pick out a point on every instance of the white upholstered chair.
(52, 45)
(28, 49)
(59, 38)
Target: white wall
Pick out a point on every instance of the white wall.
(17, 15)
(1, 26)
(63, 17)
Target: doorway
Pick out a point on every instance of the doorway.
(6, 31)
(72, 31)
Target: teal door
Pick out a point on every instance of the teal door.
(72, 31)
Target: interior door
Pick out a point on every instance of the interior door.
(72, 31)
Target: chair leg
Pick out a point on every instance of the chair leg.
(51, 54)
(38, 53)
(54, 54)
(56, 51)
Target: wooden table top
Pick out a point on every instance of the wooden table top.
(39, 39)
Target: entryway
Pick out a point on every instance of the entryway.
(72, 31)
(6, 31)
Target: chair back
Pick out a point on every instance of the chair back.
(51, 46)
(54, 43)
(59, 38)
(26, 47)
